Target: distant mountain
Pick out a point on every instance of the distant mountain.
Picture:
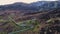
(45, 5)
(35, 6)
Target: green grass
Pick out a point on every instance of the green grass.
(29, 25)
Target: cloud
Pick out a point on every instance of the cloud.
(2, 2)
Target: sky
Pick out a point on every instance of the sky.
(4, 2)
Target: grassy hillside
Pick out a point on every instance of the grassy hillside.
(20, 18)
(36, 23)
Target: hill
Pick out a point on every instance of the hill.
(46, 13)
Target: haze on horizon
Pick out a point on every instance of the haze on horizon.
(4, 2)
